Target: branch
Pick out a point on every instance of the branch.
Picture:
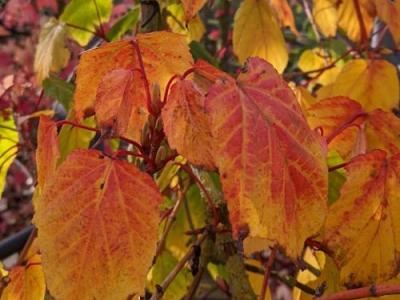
(267, 272)
(363, 30)
(364, 292)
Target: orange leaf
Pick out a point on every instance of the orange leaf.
(26, 282)
(205, 75)
(161, 62)
(344, 123)
(389, 12)
(186, 123)
(192, 7)
(48, 150)
(271, 163)
(284, 14)
(97, 228)
(362, 227)
(121, 102)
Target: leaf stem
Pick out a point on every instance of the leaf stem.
(364, 292)
(345, 125)
(267, 273)
(144, 76)
(27, 245)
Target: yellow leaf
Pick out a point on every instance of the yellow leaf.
(317, 58)
(325, 16)
(194, 30)
(389, 12)
(8, 146)
(372, 83)
(26, 282)
(97, 228)
(256, 32)
(51, 54)
(348, 20)
(362, 227)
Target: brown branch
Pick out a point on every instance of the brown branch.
(22, 257)
(179, 266)
(364, 292)
(363, 30)
(267, 273)
(310, 18)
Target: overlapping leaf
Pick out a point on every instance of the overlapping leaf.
(373, 83)
(256, 32)
(284, 14)
(350, 130)
(362, 227)
(97, 222)
(271, 163)
(161, 62)
(186, 123)
(192, 7)
(26, 282)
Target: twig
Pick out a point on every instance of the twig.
(267, 272)
(179, 266)
(363, 30)
(195, 284)
(364, 292)
(28, 244)
(310, 17)
(103, 33)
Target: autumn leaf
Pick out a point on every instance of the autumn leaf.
(362, 226)
(27, 282)
(256, 32)
(372, 83)
(272, 165)
(9, 139)
(51, 53)
(120, 102)
(389, 12)
(206, 74)
(349, 22)
(161, 62)
(48, 150)
(186, 123)
(97, 222)
(350, 130)
(192, 7)
(325, 15)
(86, 14)
(284, 14)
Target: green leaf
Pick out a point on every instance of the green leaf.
(198, 51)
(72, 138)
(335, 178)
(124, 24)
(83, 13)
(59, 89)
(8, 143)
(164, 265)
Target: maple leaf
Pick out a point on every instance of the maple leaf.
(26, 282)
(325, 16)
(48, 150)
(350, 130)
(51, 54)
(389, 12)
(372, 83)
(161, 62)
(97, 227)
(192, 7)
(362, 226)
(271, 163)
(256, 32)
(186, 123)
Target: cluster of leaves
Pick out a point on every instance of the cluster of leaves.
(167, 168)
